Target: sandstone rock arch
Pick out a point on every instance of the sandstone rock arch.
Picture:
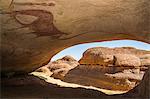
(33, 31)
(80, 21)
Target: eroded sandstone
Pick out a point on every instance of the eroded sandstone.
(37, 30)
(59, 68)
(110, 68)
(24, 48)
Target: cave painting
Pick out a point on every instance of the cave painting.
(43, 25)
(41, 21)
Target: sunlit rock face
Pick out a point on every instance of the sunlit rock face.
(59, 68)
(110, 68)
(145, 60)
(127, 60)
(32, 31)
(126, 57)
(99, 55)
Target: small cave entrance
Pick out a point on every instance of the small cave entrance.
(113, 67)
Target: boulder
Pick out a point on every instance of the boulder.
(99, 55)
(142, 90)
(45, 71)
(127, 60)
(59, 68)
(109, 56)
(145, 60)
(131, 74)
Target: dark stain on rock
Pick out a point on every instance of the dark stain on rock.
(31, 4)
(43, 25)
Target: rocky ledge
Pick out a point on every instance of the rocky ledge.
(110, 68)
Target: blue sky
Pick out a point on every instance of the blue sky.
(77, 50)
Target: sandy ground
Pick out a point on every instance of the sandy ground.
(72, 85)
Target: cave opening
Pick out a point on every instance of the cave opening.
(112, 67)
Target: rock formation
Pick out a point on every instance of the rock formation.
(127, 60)
(142, 90)
(97, 56)
(59, 68)
(145, 60)
(110, 68)
(44, 70)
(32, 31)
(102, 55)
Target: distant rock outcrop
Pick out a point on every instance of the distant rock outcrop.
(105, 56)
(110, 68)
(126, 60)
(97, 55)
(60, 67)
(107, 68)
(145, 60)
